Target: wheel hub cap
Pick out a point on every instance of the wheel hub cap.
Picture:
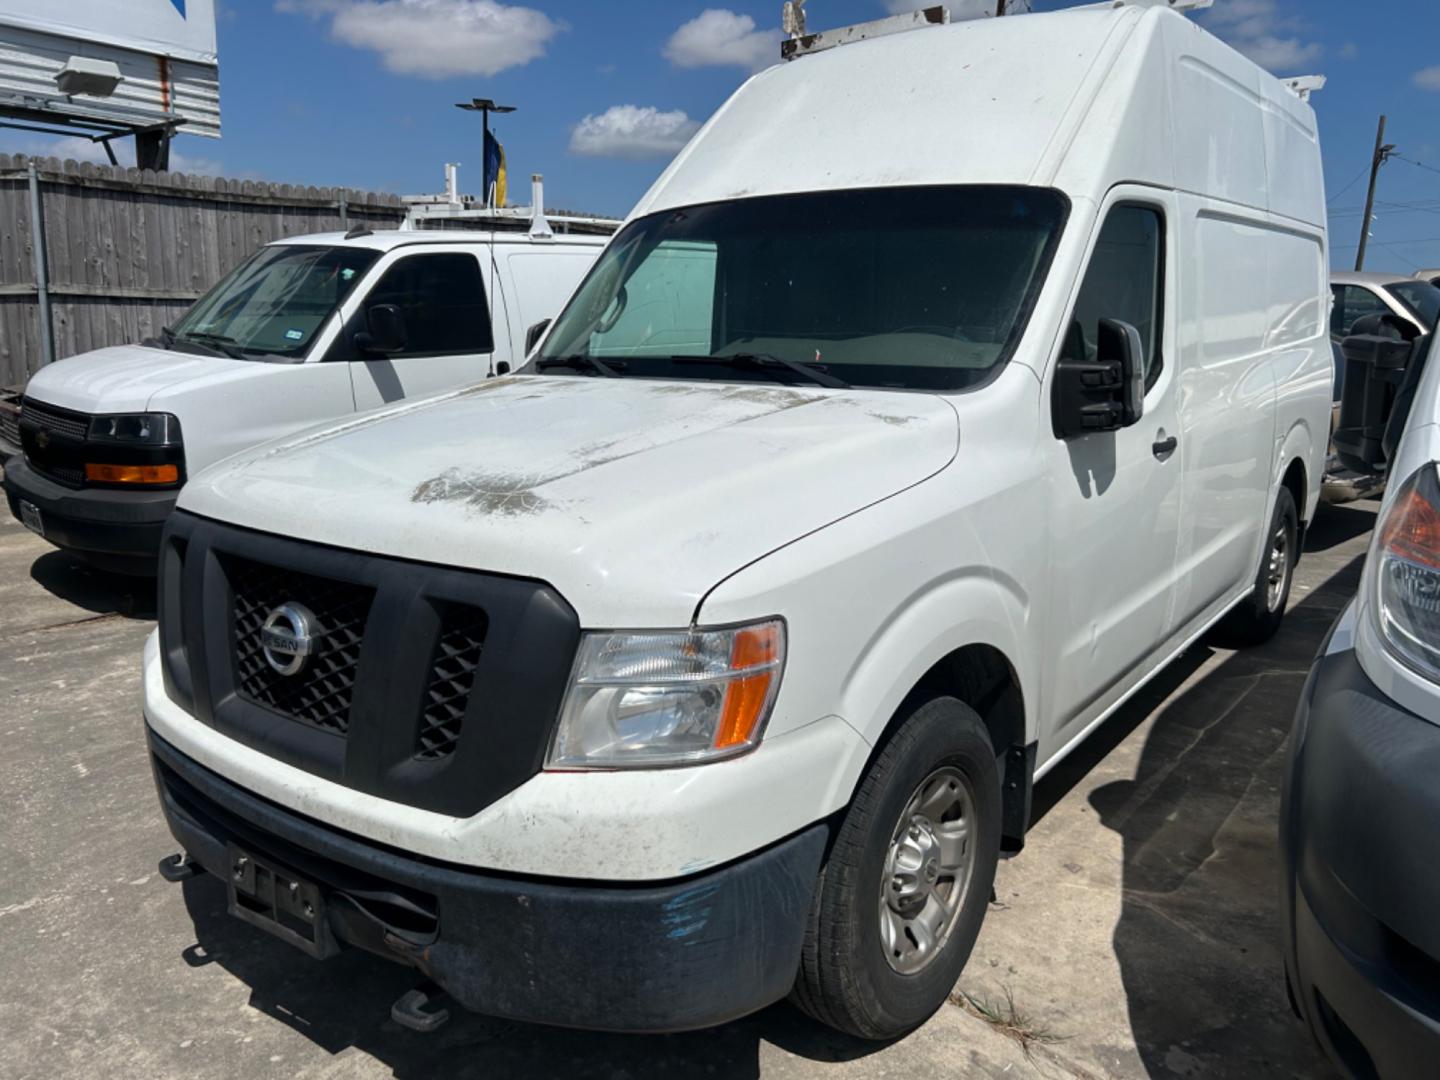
(927, 871)
(1278, 569)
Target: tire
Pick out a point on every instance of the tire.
(1257, 618)
(848, 979)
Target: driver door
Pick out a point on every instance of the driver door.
(1115, 510)
(449, 341)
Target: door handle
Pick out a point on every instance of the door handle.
(1163, 448)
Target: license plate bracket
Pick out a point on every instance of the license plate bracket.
(280, 902)
(31, 518)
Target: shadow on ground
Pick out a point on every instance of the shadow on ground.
(1198, 936)
(94, 590)
(345, 1002)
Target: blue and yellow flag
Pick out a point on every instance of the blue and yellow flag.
(494, 169)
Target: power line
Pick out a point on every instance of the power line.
(1417, 164)
(1387, 244)
(1347, 187)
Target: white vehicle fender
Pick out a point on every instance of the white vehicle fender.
(1298, 442)
(974, 607)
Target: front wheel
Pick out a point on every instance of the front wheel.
(902, 895)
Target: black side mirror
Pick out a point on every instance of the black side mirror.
(1103, 394)
(534, 334)
(385, 330)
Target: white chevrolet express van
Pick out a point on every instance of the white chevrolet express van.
(945, 387)
(309, 329)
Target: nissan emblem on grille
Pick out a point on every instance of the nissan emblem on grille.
(288, 637)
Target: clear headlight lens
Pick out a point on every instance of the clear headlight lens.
(136, 429)
(1407, 574)
(680, 697)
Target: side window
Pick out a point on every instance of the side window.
(1124, 281)
(1353, 302)
(442, 298)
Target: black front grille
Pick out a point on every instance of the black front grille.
(53, 440)
(320, 693)
(431, 686)
(47, 418)
(69, 475)
(452, 676)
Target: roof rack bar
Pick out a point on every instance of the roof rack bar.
(1173, 5)
(805, 44)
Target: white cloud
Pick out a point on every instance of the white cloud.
(1262, 32)
(435, 39)
(720, 38)
(632, 131)
(1428, 78)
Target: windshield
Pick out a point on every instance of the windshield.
(1420, 298)
(276, 301)
(919, 288)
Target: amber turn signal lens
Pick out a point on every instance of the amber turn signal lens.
(746, 696)
(1412, 528)
(132, 474)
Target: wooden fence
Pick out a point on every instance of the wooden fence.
(127, 251)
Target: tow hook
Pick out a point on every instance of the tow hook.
(180, 867)
(422, 1009)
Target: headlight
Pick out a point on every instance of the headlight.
(136, 429)
(1406, 582)
(677, 697)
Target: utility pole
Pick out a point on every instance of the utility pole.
(1383, 150)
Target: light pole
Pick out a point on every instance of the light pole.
(484, 106)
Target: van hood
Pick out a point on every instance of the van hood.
(123, 378)
(631, 497)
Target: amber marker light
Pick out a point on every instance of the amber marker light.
(132, 474)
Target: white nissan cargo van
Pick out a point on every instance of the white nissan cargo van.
(945, 387)
(309, 329)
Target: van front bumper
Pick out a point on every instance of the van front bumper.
(610, 956)
(111, 529)
(1360, 833)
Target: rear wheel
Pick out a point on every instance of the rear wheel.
(902, 895)
(1257, 618)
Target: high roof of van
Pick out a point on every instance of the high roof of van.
(1078, 99)
(385, 239)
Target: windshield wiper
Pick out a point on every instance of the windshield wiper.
(752, 361)
(227, 345)
(579, 362)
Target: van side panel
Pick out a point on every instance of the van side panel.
(1227, 401)
(1292, 156)
(544, 278)
(1220, 148)
(1126, 131)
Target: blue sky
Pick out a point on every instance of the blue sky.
(361, 93)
